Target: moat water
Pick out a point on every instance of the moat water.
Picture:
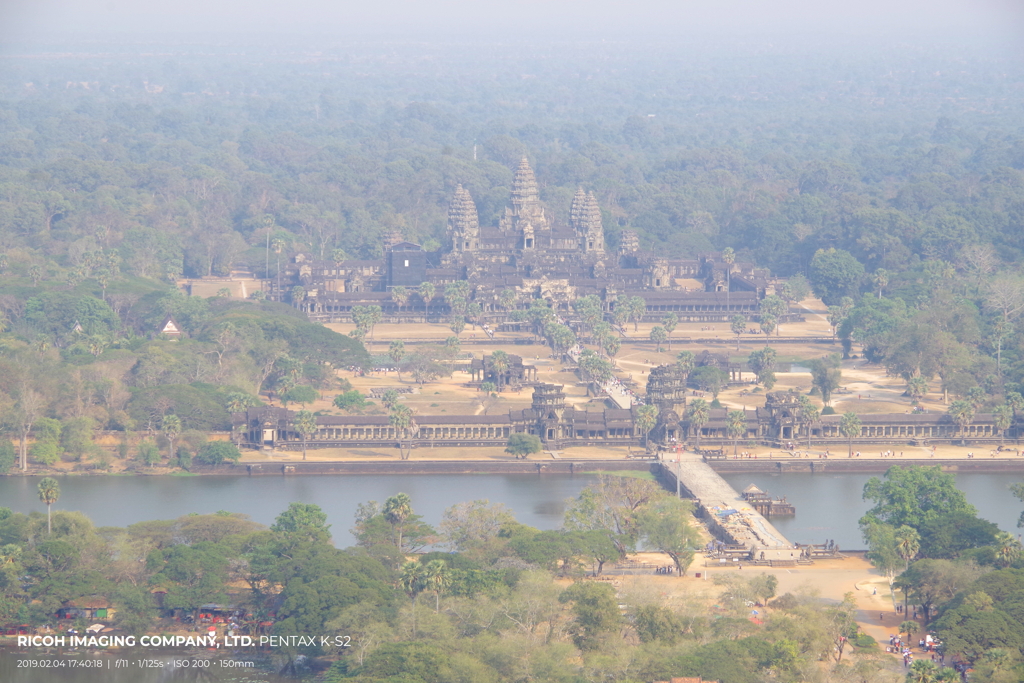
(828, 507)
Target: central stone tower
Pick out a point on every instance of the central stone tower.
(525, 218)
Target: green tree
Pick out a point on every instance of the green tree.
(762, 362)
(666, 526)
(962, 413)
(1003, 418)
(218, 452)
(808, 415)
(669, 322)
(698, 413)
(595, 611)
(172, 428)
(768, 324)
(883, 552)
(736, 426)
(7, 455)
(913, 496)
(738, 326)
(881, 279)
(426, 292)
(301, 393)
(917, 387)
(49, 493)
(850, 427)
(305, 424)
(826, 376)
(646, 419)
(400, 417)
(773, 307)
(350, 400)
(835, 273)
(148, 453)
(500, 364)
(658, 336)
(397, 511)
(637, 309)
(685, 362)
(396, 352)
(400, 295)
(522, 445)
(438, 577)
(728, 258)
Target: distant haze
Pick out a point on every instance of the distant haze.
(32, 21)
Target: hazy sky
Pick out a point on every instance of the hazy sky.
(43, 20)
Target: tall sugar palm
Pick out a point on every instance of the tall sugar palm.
(305, 425)
(438, 578)
(809, 414)
(1003, 416)
(427, 292)
(736, 426)
(646, 419)
(49, 493)
(962, 413)
(172, 428)
(500, 365)
(397, 509)
(849, 425)
(278, 246)
(699, 413)
(729, 258)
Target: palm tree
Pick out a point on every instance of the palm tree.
(908, 544)
(962, 413)
(736, 426)
(1003, 419)
(738, 326)
(305, 425)
(637, 309)
(507, 299)
(669, 322)
(699, 412)
(412, 582)
(36, 273)
(646, 418)
(278, 246)
(172, 428)
(400, 418)
(729, 258)
(658, 335)
(396, 510)
(849, 425)
(685, 362)
(881, 280)
(400, 295)
(1008, 548)
(500, 365)
(921, 671)
(437, 577)
(49, 493)
(426, 291)
(809, 414)
(917, 387)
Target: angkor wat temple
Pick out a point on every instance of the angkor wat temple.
(533, 256)
(561, 425)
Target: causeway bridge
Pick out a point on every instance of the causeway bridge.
(723, 509)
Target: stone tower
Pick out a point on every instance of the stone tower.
(585, 217)
(463, 222)
(525, 219)
(629, 242)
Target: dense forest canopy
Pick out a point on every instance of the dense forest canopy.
(892, 175)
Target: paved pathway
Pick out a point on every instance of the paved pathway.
(746, 525)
